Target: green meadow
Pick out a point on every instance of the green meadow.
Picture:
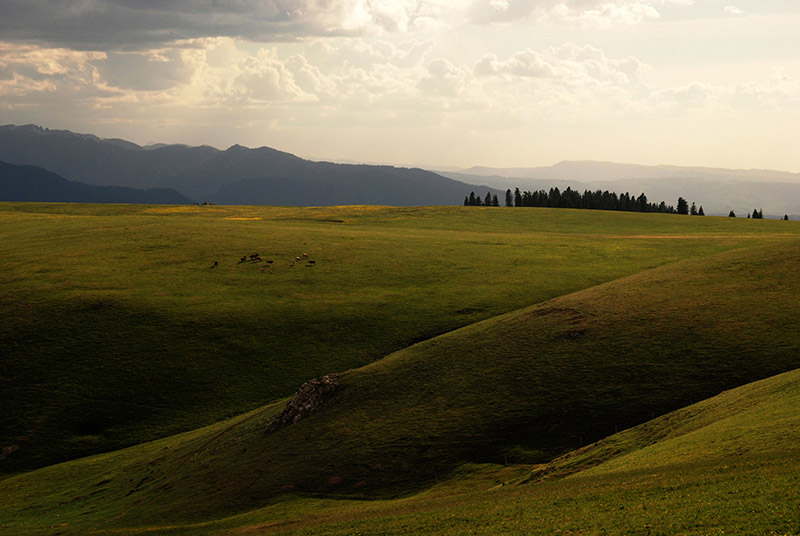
(481, 354)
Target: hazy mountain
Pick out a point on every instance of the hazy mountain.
(92, 160)
(591, 170)
(717, 190)
(238, 175)
(31, 183)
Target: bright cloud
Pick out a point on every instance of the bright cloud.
(731, 10)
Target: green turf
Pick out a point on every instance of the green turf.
(116, 331)
(520, 387)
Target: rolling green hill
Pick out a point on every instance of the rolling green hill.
(117, 330)
(520, 388)
(727, 465)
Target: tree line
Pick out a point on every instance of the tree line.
(592, 200)
(473, 200)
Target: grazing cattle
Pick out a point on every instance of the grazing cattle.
(269, 261)
(297, 258)
(243, 259)
(305, 255)
(312, 263)
(254, 256)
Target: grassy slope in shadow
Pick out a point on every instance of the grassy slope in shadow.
(525, 386)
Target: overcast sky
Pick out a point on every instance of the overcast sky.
(418, 82)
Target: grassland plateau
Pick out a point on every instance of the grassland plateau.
(473, 346)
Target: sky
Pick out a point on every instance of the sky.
(503, 83)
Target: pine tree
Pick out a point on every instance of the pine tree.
(472, 199)
(495, 201)
(700, 212)
(487, 201)
(683, 206)
(509, 198)
(786, 217)
(693, 210)
(517, 198)
(466, 200)
(731, 214)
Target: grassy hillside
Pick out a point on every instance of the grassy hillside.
(521, 388)
(117, 330)
(727, 465)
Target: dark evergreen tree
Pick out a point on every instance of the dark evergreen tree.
(495, 201)
(509, 198)
(731, 214)
(700, 211)
(683, 206)
(693, 210)
(487, 201)
(472, 199)
(517, 198)
(641, 203)
(786, 217)
(466, 200)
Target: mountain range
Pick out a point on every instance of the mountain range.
(32, 183)
(719, 190)
(236, 176)
(266, 176)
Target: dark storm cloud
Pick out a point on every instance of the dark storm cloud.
(117, 24)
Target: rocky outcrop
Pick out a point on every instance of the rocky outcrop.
(307, 400)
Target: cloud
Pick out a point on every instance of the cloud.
(29, 69)
(138, 24)
(585, 13)
(607, 15)
(690, 96)
(142, 24)
(567, 64)
(731, 10)
(357, 90)
(780, 85)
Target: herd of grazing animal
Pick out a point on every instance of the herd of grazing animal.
(309, 262)
(255, 257)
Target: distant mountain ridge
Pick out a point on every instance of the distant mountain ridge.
(238, 175)
(597, 170)
(718, 190)
(31, 183)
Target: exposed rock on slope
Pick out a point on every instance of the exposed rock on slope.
(307, 400)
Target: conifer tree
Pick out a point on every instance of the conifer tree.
(509, 198)
(693, 210)
(700, 212)
(683, 206)
(731, 214)
(517, 198)
(487, 201)
(495, 201)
